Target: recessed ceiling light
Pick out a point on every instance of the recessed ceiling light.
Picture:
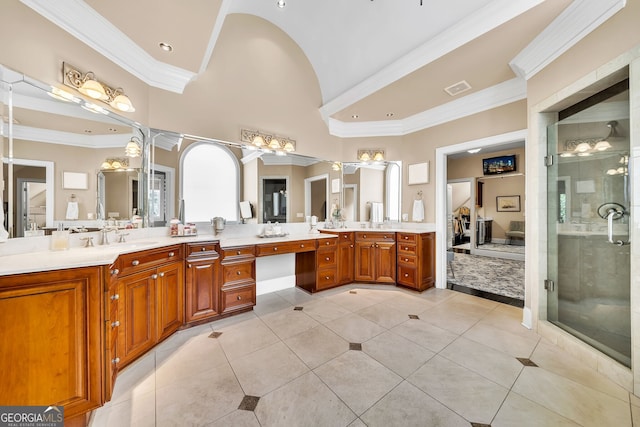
(389, 114)
(113, 130)
(474, 150)
(88, 131)
(354, 116)
(280, 4)
(165, 46)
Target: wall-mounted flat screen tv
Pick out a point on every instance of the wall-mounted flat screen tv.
(498, 165)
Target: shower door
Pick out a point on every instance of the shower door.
(588, 286)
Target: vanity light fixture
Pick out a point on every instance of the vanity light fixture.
(336, 166)
(115, 163)
(133, 148)
(87, 84)
(368, 155)
(474, 150)
(278, 144)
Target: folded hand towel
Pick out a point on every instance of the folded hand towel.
(418, 211)
(72, 210)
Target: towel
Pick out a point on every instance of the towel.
(418, 211)
(72, 210)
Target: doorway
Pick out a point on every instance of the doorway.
(316, 195)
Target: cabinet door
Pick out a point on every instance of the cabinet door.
(137, 315)
(365, 263)
(50, 351)
(385, 262)
(428, 258)
(169, 300)
(346, 254)
(201, 290)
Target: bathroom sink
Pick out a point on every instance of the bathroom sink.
(134, 244)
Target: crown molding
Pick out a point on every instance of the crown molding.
(81, 21)
(501, 94)
(579, 19)
(491, 16)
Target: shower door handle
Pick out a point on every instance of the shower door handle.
(610, 215)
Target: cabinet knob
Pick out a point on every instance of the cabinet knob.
(350, 246)
(238, 273)
(203, 249)
(162, 274)
(238, 253)
(385, 237)
(188, 265)
(275, 248)
(116, 360)
(172, 254)
(406, 248)
(302, 245)
(406, 274)
(239, 297)
(154, 276)
(135, 262)
(364, 235)
(327, 243)
(345, 236)
(406, 259)
(115, 272)
(115, 297)
(327, 258)
(326, 277)
(115, 324)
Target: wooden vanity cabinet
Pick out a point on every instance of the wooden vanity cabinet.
(238, 290)
(375, 257)
(51, 351)
(202, 285)
(326, 264)
(416, 260)
(345, 256)
(151, 304)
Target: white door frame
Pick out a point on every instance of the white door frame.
(441, 192)
(307, 194)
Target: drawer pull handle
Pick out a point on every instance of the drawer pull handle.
(327, 243)
(115, 297)
(275, 248)
(203, 249)
(154, 276)
(239, 297)
(302, 245)
(135, 262)
(350, 246)
(238, 253)
(326, 277)
(238, 273)
(385, 237)
(116, 360)
(327, 258)
(406, 248)
(406, 274)
(115, 272)
(115, 324)
(406, 259)
(406, 237)
(345, 237)
(188, 265)
(172, 254)
(364, 235)
(161, 274)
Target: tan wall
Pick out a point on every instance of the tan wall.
(420, 146)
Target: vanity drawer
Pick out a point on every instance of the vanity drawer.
(238, 251)
(407, 248)
(407, 275)
(326, 258)
(327, 243)
(408, 260)
(346, 237)
(138, 261)
(237, 298)
(202, 249)
(266, 249)
(375, 236)
(238, 271)
(326, 278)
(407, 238)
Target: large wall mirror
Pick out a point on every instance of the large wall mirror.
(52, 151)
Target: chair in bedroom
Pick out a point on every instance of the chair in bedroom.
(516, 229)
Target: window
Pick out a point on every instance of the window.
(210, 183)
(393, 190)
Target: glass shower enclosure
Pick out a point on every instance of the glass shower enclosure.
(589, 214)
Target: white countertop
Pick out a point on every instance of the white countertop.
(31, 254)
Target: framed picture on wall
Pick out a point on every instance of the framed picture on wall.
(508, 203)
(418, 173)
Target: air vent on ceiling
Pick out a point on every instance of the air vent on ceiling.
(457, 88)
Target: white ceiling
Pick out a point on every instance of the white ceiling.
(385, 61)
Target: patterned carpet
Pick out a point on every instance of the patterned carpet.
(495, 275)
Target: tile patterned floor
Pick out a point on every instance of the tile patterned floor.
(365, 355)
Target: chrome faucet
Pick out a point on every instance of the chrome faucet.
(105, 238)
(121, 236)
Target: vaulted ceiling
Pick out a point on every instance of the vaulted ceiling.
(382, 65)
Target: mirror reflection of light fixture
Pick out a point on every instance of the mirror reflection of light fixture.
(133, 148)
(367, 155)
(87, 84)
(265, 142)
(115, 163)
(585, 147)
(336, 166)
(61, 95)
